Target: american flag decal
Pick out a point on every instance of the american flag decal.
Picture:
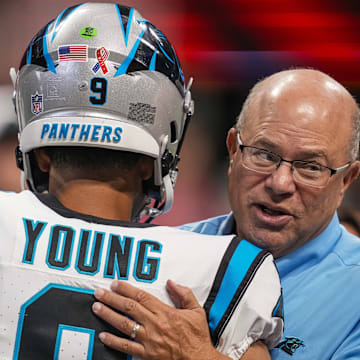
(73, 53)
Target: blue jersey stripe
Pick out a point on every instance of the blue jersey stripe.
(238, 266)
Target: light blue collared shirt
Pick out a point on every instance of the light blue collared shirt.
(321, 288)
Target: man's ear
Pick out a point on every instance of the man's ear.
(43, 160)
(231, 142)
(351, 174)
(146, 167)
(232, 146)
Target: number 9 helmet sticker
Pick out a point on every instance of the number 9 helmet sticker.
(98, 86)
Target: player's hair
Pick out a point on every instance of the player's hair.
(92, 158)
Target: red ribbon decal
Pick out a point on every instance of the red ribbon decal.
(102, 54)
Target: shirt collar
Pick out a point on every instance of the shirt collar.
(303, 257)
(312, 252)
(227, 226)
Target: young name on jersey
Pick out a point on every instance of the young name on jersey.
(86, 257)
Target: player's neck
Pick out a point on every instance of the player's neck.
(95, 198)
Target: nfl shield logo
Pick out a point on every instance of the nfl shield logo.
(36, 103)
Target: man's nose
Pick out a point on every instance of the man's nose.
(281, 181)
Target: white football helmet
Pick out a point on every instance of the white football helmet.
(100, 75)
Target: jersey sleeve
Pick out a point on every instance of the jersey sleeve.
(245, 302)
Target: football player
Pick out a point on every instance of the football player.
(102, 110)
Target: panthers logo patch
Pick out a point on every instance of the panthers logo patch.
(290, 345)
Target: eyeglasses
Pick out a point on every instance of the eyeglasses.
(305, 172)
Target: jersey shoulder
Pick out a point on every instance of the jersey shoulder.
(245, 301)
(10, 196)
(15, 203)
(17, 206)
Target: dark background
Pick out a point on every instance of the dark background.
(226, 46)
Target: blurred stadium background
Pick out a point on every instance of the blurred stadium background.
(226, 45)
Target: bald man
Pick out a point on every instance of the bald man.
(292, 154)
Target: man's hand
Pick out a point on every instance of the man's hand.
(257, 351)
(165, 332)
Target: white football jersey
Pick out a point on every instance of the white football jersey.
(52, 259)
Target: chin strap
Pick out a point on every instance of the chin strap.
(169, 191)
(22, 181)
